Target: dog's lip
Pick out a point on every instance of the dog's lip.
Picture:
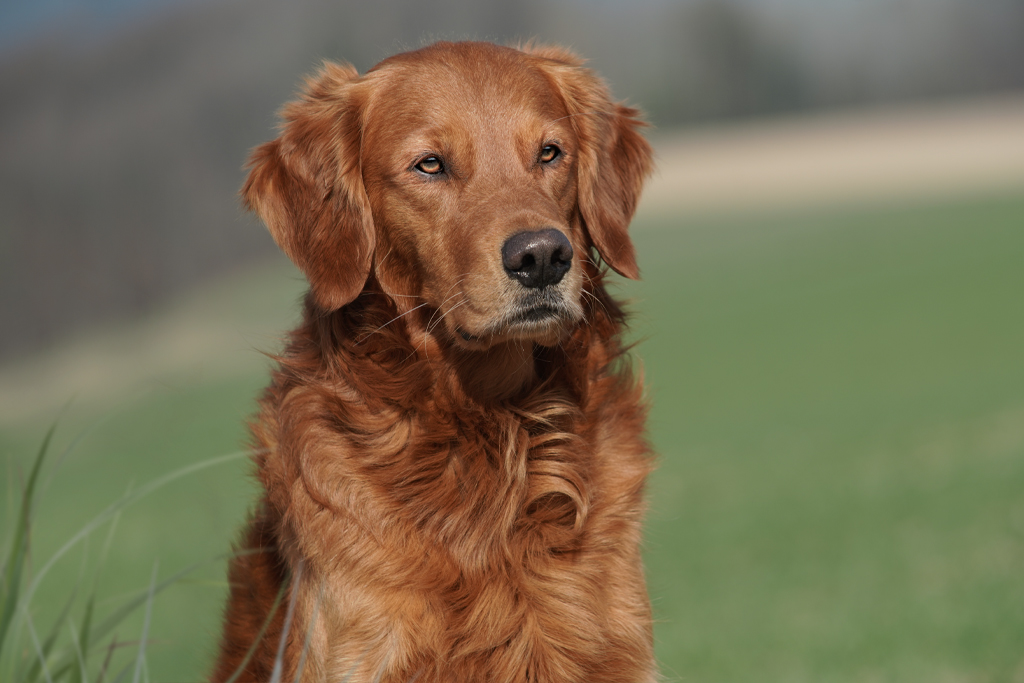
(530, 317)
(536, 314)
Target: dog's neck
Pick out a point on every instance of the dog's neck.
(496, 373)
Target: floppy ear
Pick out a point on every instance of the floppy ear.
(613, 159)
(307, 187)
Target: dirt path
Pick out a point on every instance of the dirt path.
(956, 149)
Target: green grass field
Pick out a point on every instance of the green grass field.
(838, 401)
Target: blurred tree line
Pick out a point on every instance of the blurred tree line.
(122, 144)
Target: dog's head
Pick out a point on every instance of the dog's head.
(469, 177)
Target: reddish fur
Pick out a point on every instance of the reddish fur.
(458, 510)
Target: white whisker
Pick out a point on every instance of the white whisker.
(446, 300)
(430, 328)
(372, 332)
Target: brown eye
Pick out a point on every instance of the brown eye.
(430, 165)
(549, 153)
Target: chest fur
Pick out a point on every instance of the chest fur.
(492, 538)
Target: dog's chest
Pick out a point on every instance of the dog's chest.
(491, 570)
(500, 492)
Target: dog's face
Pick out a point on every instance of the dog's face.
(470, 178)
(473, 192)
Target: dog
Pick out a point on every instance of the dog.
(452, 447)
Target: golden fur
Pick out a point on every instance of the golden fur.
(453, 463)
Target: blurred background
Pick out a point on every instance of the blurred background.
(831, 317)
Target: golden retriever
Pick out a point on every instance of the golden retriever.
(452, 446)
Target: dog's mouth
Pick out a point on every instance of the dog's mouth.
(522, 322)
(542, 321)
(536, 314)
(543, 317)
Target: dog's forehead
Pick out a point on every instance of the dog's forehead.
(469, 85)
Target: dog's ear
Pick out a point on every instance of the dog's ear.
(613, 159)
(307, 187)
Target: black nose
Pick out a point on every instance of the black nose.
(537, 258)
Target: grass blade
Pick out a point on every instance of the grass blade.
(90, 607)
(309, 632)
(51, 639)
(275, 676)
(140, 660)
(39, 650)
(83, 674)
(106, 660)
(82, 643)
(120, 504)
(65, 660)
(259, 636)
(19, 546)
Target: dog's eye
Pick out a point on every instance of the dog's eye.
(549, 153)
(430, 165)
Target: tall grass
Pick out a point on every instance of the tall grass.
(80, 645)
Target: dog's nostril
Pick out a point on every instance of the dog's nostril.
(537, 258)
